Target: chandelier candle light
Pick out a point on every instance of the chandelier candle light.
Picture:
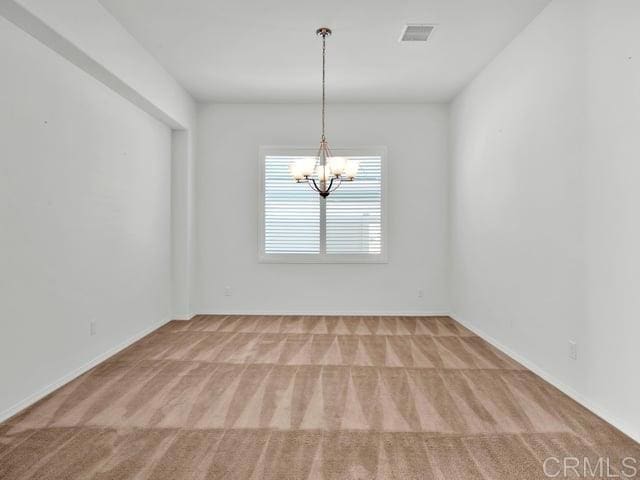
(324, 173)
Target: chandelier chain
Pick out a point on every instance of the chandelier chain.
(324, 49)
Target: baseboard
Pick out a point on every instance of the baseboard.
(332, 313)
(33, 398)
(596, 409)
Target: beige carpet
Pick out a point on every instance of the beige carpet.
(249, 397)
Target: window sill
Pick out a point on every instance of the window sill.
(328, 259)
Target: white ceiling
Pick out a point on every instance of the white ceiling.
(267, 50)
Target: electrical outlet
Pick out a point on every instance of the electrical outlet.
(92, 327)
(420, 293)
(227, 291)
(573, 350)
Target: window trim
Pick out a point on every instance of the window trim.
(327, 258)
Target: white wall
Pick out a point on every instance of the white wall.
(612, 330)
(227, 211)
(84, 214)
(544, 201)
(87, 35)
(517, 192)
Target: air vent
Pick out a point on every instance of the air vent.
(416, 33)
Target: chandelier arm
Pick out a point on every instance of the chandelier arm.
(328, 190)
(339, 183)
(314, 185)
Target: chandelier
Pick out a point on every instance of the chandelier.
(324, 173)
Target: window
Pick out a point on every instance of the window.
(298, 226)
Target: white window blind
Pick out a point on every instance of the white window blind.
(291, 211)
(297, 225)
(354, 212)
